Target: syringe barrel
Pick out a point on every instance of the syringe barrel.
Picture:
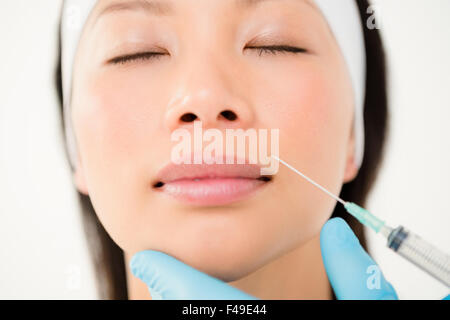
(421, 253)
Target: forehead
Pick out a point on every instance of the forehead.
(172, 7)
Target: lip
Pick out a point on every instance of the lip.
(210, 184)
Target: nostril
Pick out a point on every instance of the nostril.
(159, 184)
(229, 115)
(188, 117)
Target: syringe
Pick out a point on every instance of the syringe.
(410, 246)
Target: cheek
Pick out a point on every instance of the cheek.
(311, 101)
(119, 115)
(114, 120)
(313, 109)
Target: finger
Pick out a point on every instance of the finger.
(353, 274)
(169, 278)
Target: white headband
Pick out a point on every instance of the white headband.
(342, 16)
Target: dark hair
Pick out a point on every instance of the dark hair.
(108, 257)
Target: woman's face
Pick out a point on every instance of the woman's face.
(124, 113)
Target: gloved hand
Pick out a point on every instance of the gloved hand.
(351, 271)
(170, 279)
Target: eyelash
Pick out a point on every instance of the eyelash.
(278, 49)
(156, 55)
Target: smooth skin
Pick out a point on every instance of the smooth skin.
(267, 245)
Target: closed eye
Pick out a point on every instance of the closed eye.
(278, 49)
(136, 57)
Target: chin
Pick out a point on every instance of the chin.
(227, 263)
(225, 268)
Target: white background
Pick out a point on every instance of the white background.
(43, 252)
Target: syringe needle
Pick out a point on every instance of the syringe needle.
(310, 180)
(364, 216)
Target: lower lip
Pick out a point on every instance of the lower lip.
(212, 191)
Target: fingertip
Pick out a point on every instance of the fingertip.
(135, 262)
(337, 231)
(333, 222)
(140, 259)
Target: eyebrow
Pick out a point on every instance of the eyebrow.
(162, 7)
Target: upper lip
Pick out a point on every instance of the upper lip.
(173, 172)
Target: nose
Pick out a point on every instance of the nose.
(207, 97)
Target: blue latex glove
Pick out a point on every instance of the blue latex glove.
(170, 279)
(351, 271)
(346, 263)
